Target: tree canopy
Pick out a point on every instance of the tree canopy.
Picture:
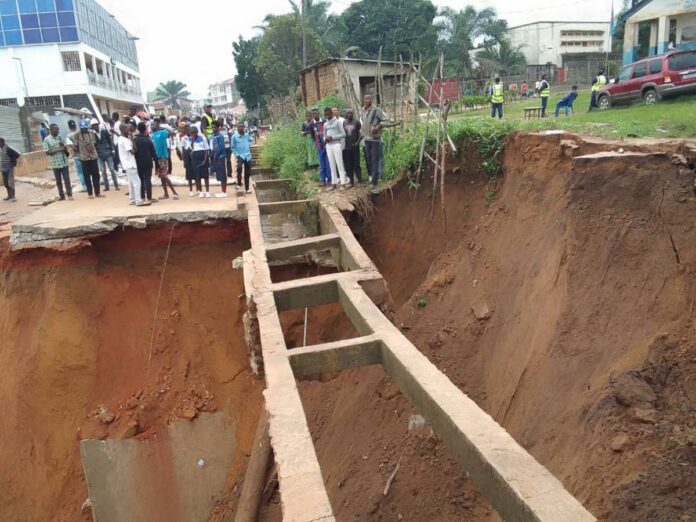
(172, 93)
(269, 64)
(396, 26)
(279, 57)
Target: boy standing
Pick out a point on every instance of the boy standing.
(126, 153)
(333, 136)
(317, 130)
(160, 138)
(218, 153)
(241, 148)
(58, 160)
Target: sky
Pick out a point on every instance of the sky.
(191, 41)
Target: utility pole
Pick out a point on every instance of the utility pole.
(303, 20)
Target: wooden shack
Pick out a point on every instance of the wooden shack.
(339, 76)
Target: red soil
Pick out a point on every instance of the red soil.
(76, 331)
(589, 274)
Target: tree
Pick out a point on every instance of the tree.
(172, 93)
(502, 59)
(397, 26)
(279, 57)
(248, 80)
(458, 31)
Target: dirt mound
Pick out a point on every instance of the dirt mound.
(579, 272)
(77, 337)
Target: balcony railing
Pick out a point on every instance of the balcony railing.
(105, 82)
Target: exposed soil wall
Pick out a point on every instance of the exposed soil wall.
(565, 309)
(76, 334)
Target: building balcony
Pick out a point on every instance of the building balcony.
(111, 84)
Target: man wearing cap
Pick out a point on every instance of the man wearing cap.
(84, 143)
(105, 153)
(207, 122)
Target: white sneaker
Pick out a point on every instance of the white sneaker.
(201, 194)
(191, 194)
(221, 195)
(208, 195)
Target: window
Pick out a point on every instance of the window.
(30, 21)
(10, 23)
(625, 74)
(71, 61)
(27, 6)
(656, 67)
(32, 36)
(640, 69)
(8, 7)
(50, 35)
(45, 6)
(48, 20)
(66, 19)
(64, 5)
(68, 34)
(682, 61)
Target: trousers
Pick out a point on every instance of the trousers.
(496, 107)
(63, 177)
(134, 186)
(351, 160)
(103, 164)
(374, 157)
(145, 176)
(324, 167)
(338, 171)
(90, 169)
(9, 182)
(246, 165)
(80, 174)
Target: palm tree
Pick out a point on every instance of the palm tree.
(172, 93)
(503, 58)
(459, 29)
(321, 22)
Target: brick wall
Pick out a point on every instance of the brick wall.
(328, 83)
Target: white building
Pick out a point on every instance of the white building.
(224, 95)
(548, 42)
(67, 53)
(672, 25)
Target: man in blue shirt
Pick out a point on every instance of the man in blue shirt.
(567, 101)
(160, 137)
(218, 155)
(241, 148)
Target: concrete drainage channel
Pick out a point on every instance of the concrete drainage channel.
(516, 485)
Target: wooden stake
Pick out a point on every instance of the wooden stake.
(250, 498)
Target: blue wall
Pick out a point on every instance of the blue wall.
(35, 22)
(31, 22)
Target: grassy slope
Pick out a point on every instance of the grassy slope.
(666, 119)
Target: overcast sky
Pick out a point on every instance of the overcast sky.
(192, 40)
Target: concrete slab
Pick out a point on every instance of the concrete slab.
(299, 206)
(176, 477)
(85, 217)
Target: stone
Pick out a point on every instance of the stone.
(630, 390)
(647, 415)
(481, 311)
(105, 416)
(619, 443)
(189, 411)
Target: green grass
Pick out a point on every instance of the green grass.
(665, 119)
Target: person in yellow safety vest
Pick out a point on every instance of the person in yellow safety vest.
(598, 82)
(544, 93)
(207, 122)
(497, 99)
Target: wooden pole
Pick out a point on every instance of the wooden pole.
(250, 498)
(303, 20)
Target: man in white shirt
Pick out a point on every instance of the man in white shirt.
(127, 155)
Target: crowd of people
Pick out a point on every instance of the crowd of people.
(138, 146)
(334, 143)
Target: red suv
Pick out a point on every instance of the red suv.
(651, 79)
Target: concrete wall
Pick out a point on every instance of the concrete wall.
(541, 41)
(659, 13)
(31, 164)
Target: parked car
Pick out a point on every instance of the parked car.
(652, 79)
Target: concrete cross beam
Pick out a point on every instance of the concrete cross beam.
(336, 356)
(289, 249)
(284, 207)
